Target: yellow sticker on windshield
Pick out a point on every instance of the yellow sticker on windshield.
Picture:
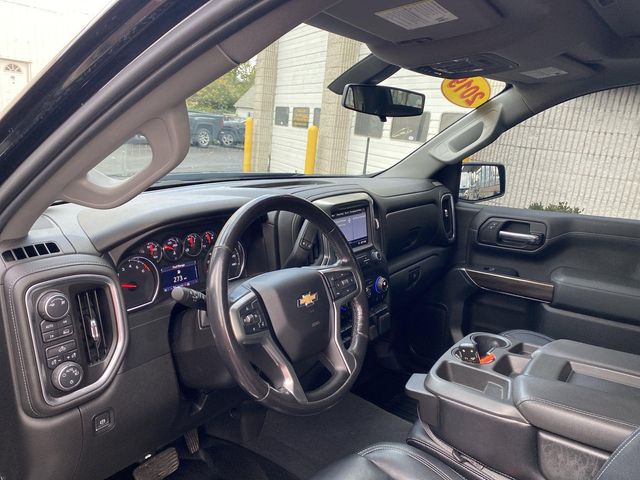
(466, 92)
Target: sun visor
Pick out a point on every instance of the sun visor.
(368, 70)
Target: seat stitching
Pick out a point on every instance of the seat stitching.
(421, 460)
(577, 410)
(628, 442)
(473, 471)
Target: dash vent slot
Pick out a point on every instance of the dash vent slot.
(93, 308)
(30, 251)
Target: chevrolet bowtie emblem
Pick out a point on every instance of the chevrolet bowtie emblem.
(307, 299)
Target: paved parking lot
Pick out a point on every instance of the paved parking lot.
(131, 158)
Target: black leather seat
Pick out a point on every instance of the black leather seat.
(395, 461)
(527, 336)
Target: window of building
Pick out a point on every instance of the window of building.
(368, 126)
(414, 129)
(316, 116)
(300, 117)
(582, 156)
(282, 116)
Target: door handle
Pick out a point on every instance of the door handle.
(526, 238)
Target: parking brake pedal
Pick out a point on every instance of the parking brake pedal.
(159, 466)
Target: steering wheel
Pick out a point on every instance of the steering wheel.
(271, 323)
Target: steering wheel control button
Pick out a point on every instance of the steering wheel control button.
(61, 349)
(342, 284)
(67, 376)
(53, 306)
(253, 320)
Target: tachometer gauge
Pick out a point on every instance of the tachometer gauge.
(138, 281)
(172, 249)
(209, 238)
(236, 267)
(153, 250)
(193, 245)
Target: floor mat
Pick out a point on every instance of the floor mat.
(386, 390)
(304, 445)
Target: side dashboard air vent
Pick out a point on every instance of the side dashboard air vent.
(448, 216)
(30, 251)
(94, 313)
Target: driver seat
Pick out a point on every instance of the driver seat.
(395, 461)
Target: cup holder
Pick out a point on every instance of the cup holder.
(487, 343)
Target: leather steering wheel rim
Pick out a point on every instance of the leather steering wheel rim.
(240, 350)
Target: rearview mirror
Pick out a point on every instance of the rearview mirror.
(481, 181)
(382, 101)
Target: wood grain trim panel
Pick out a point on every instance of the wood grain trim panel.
(509, 285)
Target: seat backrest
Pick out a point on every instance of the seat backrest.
(624, 463)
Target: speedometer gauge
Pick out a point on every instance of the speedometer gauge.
(138, 281)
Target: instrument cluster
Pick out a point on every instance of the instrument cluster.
(158, 265)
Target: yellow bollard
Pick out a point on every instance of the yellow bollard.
(312, 144)
(248, 138)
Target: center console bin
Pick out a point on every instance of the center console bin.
(471, 407)
(581, 392)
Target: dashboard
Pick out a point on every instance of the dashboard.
(127, 339)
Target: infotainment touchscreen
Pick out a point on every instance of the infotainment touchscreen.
(353, 224)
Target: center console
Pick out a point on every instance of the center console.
(354, 216)
(529, 412)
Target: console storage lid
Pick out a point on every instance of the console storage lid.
(582, 392)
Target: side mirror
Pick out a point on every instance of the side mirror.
(382, 101)
(481, 181)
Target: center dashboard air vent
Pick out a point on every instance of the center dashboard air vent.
(93, 309)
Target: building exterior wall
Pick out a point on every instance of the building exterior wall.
(585, 152)
(32, 34)
(300, 75)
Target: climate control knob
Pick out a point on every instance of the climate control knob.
(67, 376)
(53, 306)
(381, 285)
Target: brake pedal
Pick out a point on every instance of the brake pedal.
(192, 440)
(159, 466)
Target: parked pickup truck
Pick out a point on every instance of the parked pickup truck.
(205, 127)
(232, 133)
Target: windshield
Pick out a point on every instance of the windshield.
(275, 115)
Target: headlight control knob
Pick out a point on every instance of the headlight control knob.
(67, 376)
(381, 285)
(53, 306)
